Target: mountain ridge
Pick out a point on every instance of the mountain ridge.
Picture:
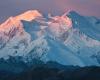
(67, 39)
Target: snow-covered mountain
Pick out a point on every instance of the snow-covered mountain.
(70, 39)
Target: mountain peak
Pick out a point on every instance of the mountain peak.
(73, 13)
(28, 15)
(15, 21)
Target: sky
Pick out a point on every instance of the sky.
(55, 7)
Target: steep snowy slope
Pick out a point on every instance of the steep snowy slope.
(62, 54)
(86, 25)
